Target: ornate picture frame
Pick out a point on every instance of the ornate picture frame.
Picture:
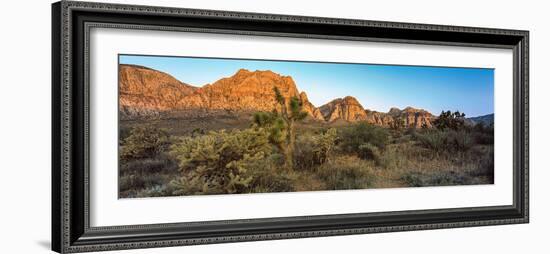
(71, 24)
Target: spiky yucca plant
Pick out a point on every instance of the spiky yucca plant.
(282, 124)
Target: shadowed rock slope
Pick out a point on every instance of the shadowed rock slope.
(145, 91)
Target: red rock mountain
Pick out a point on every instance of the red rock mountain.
(348, 109)
(244, 91)
(416, 117)
(410, 117)
(144, 91)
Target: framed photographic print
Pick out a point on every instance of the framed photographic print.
(181, 126)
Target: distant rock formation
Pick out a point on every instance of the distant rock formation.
(144, 91)
(409, 116)
(379, 118)
(417, 117)
(348, 109)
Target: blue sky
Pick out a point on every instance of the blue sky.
(377, 87)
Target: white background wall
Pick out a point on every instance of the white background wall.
(25, 126)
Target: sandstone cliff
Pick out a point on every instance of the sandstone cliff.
(348, 109)
(410, 117)
(144, 91)
(244, 91)
(379, 118)
(417, 117)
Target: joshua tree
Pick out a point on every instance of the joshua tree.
(282, 131)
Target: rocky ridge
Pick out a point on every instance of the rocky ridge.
(144, 91)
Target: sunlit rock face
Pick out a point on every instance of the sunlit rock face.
(144, 91)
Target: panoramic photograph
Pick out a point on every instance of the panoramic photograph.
(205, 126)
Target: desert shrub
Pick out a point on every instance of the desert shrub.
(368, 151)
(144, 142)
(435, 140)
(305, 156)
(354, 136)
(444, 178)
(158, 190)
(486, 163)
(266, 176)
(161, 163)
(346, 172)
(314, 150)
(446, 140)
(391, 159)
(484, 138)
(153, 191)
(197, 132)
(411, 131)
(123, 133)
(483, 127)
(483, 135)
(226, 162)
(413, 179)
(263, 119)
(460, 140)
(448, 120)
(131, 184)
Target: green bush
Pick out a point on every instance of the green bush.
(484, 138)
(161, 163)
(449, 120)
(227, 162)
(345, 173)
(154, 191)
(435, 140)
(351, 138)
(123, 133)
(486, 163)
(131, 184)
(445, 178)
(483, 134)
(392, 159)
(314, 150)
(144, 142)
(446, 140)
(263, 119)
(370, 152)
(460, 140)
(267, 176)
